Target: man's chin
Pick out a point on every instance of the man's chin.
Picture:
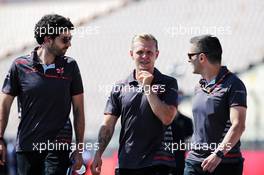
(144, 69)
(195, 72)
(62, 54)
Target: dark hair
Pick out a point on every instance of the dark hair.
(51, 25)
(210, 45)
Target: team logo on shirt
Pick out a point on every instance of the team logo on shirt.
(60, 71)
(31, 70)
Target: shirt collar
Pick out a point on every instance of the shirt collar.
(222, 72)
(34, 56)
(36, 59)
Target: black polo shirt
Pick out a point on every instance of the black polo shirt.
(211, 113)
(45, 97)
(141, 131)
(171, 154)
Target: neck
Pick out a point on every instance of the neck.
(211, 72)
(45, 56)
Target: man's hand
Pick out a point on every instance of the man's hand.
(2, 152)
(145, 78)
(96, 165)
(5, 105)
(77, 160)
(211, 162)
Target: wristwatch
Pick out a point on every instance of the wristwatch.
(220, 154)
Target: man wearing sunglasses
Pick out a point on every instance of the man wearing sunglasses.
(219, 112)
(46, 83)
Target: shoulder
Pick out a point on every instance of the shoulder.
(119, 85)
(69, 60)
(168, 78)
(25, 59)
(169, 82)
(235, 82)
(68, 63)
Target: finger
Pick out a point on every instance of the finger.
(77, 162)
(140, 73)
(3, 157)
(144, 73)
(211, 169)
(94, 172)
(204, 162)
(98, 170)
(92, 169)
(206, 167)
(2, 162)
(95, 168)
(77, 165)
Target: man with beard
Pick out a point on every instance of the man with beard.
(46, 83)
(146, 101)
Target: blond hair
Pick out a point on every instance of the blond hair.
(144, 37)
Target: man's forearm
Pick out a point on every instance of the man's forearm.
(104, 137)
(79, 125)
(238, 119)
(3, 120)
(164, 112)
(5, 105)
(232, 137)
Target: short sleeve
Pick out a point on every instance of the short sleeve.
(171, 93)
(11, 82)
(188, 127)
(76, 84)
(113, 106)
(237, 94)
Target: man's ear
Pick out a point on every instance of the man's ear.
(157, 54)
(47, 39)
(131, 53)
(202, 57)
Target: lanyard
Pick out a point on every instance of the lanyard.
(209, 90)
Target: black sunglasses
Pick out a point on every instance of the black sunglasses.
(190, 55)
(66, 39)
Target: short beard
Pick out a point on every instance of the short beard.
(56, 52)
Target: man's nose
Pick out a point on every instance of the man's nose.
(144, 55)
(69, 44)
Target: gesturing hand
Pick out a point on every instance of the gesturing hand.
(96, 165)
(145, 78)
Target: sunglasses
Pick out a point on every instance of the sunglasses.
(190, 55)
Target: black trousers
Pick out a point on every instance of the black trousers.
(153, 170)
(45, 163)
(194, 168)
